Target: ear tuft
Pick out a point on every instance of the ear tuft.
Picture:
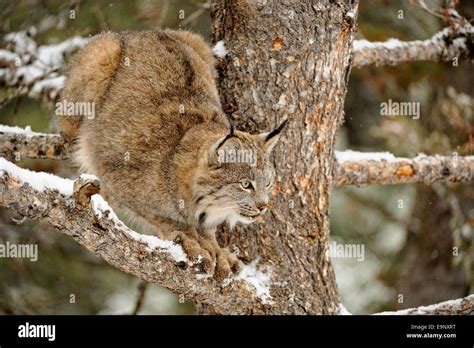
(276, 131)
(271, 138)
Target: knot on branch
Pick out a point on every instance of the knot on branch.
(85, 187)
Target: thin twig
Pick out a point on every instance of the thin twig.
(142, 286)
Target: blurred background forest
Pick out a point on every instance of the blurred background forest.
(409, 232)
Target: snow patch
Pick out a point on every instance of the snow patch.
(88, 177)
(101, 207)
(343, 310)
(154, 242)
(38, 64)
(53, 85)
(7, 56)
(200, 276)
(219, 50)
(38, 180)
(360, 45)
(18, 130)
(24, 44)
(355, 156)
(259, 280)
(53, 55)
(460, 43)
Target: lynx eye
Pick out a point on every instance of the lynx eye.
(246, 184)
(269, 184)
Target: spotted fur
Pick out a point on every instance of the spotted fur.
(157, 134)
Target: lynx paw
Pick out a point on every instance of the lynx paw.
(197, 255)
(209, 256)
(226, 263)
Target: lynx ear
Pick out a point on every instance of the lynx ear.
(224, 144)
(271, 138)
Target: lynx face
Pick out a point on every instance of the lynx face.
(238, 180)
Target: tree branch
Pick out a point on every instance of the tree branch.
(446, 45)
(18, 143)
(355, 168)
(74, 208)
(140, 297)
(462, 306)
(33, 69)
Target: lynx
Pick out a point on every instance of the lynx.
(164, 150)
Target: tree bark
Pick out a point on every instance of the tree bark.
(289, 60)
(17, 144)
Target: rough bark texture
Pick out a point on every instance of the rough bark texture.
(448, 44)
(462, 306)
(34, 145)
(289, 60)
(422, 169)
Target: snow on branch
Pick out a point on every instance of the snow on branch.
(451, 43)
(19, 143)
(356, 168)
(34, 70)
(462, 306)
(76, 209)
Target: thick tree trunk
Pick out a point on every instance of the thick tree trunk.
(289, 60)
